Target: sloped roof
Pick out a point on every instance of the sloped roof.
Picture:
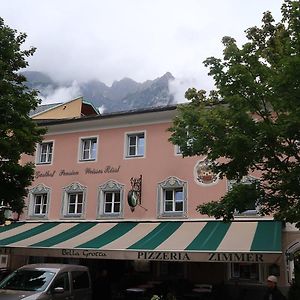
(43, 107)
(87, 108)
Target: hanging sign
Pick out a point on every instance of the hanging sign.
(132, 198)
(135, 194)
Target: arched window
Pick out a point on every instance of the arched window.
(254, 207)
(172, 198)
(111, 199)
(39, 198)
(74, 199)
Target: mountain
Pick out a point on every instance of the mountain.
(125, 94)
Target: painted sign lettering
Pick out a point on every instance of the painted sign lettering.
(170, 256)
(68, 173)
(88, 171)
(110, 169)
(236, 257)
(93, 171)
(44, 174)
(83, 253)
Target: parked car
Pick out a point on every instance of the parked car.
(47, 282)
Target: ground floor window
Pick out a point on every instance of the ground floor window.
(245, 271)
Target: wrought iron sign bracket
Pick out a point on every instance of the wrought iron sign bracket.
(135, 194)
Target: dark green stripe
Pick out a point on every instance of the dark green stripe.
(108, 236)
(65, 235)
(10, 226)
(28, 233)
(210, 236)
(158, 235)
(267, 236)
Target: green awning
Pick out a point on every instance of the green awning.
(180, 240)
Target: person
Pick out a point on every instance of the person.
(102, 286)
(273, 293)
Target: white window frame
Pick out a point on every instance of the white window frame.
(48, 154)
(77, 202)
(42, 206)
(173, 200)
(38, 190)
(177, 150)
(89, 150)
(245, 180)
(137, 135)
(110, 186)
(74, 189)
(171, 184)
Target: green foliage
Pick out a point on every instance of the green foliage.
(251, 121)
(242, 197)
(18, 133)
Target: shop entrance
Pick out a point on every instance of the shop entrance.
(297, 267)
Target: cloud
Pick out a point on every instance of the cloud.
(179, 86)
(61, 94)
(101, 109)
(140, 39)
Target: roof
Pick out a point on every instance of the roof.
(43, 108)
(87, 108)
(107, 115)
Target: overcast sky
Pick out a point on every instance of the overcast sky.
(141, 39)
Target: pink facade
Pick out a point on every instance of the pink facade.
(83, 193)
(158, 162)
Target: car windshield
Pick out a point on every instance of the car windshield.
(27, 280)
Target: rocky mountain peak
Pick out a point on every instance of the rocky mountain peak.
(124, 94)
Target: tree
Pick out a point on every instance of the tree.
(251, 120)
(18, 133)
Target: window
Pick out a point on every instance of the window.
(88, 149)
(172, 198)
(178, 150)
(111, 199)
(3, 264)
(62, 281)
(74, 200)
(33, 280)
(45, 151)
(135, 144)
(75, 203)
(112, 202)
(40, 204)
(245, 271)
(39, 198)
(252, 209)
